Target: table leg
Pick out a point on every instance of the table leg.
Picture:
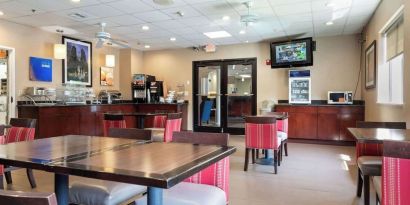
(61, 188)
(141, 123)
(154, 196)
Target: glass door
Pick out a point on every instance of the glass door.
(207, 97)
(240, 95)
(4, 115)
(224, 92)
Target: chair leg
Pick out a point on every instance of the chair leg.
(253, 156)
(366, 185)
(266, 154)
(359, 183)
(377, 199)
(31, 178)
(1, 182)
(275, 160)
(286, 147)
(9, 180)
(245, 167)
(279, 156)
(257, 154)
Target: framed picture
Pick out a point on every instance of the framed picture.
(370, 66)
(107, 76)
(41, 69)
(77, 66)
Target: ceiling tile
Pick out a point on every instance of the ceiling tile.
(101, 11)
(292, 9)
(214, 7)
(284, 2)
(13, 9)
(125, 20)
(152, 16)
(177, 3)
(130, 6)
(187, 10)
(195, 21)
(169, 24)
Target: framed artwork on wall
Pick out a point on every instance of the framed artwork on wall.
(370, 66)
(77, 66)
(41, 69)
(107, 76)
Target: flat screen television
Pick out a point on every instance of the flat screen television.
(295, 53)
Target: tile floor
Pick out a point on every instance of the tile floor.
(310, 175)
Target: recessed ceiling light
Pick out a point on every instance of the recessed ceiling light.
(242, 32)
(1, 13)
(226, 18)
(147, 46)
(76, 1)
(246, 41)
(145, 28)
(329, 23)
(217, 34)
(172, 39)
(330, 4)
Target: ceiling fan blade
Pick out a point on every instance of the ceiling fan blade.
(100, 43)
(120, 43)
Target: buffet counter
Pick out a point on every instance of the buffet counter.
(58, 120)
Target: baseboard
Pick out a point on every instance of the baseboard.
(323, 142)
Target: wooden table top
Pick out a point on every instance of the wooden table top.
(377, 135)
(277, 116)
(160, 165)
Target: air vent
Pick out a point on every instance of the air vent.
(78, 16)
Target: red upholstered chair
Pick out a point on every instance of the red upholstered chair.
(113, 121)
(369, 160)
(21, 130)
(393, 187)
(172, 124)
(283, 130)
(209, 186)
(261, 133)
(159, 121)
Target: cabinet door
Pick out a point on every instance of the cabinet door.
(59, 121)
(304, 125)
(329, 127)
(348, 120)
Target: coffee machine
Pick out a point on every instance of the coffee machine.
(155, 91)
(140, 87)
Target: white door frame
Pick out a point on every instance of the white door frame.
(11, 80)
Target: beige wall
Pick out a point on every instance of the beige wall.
(336, 67)
(30, 41)
(131, 62)
(379, 112)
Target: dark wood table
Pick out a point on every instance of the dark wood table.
(377, 135)
(156, 165)
(140, 117)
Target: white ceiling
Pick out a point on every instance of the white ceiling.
(124, 18)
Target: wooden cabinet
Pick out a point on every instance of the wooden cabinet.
(88, 119)
(322, 122)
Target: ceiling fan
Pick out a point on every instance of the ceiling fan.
(104, 38)
(249, 18)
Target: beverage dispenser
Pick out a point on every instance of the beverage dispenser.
(156, 90)
(140, 87)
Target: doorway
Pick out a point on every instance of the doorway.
(224, 93)
(7, 84)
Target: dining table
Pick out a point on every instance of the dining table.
(140, 116)
(157, 165)
(377, 135)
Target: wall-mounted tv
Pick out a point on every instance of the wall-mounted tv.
(295, 53)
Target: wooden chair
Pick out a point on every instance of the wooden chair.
(261, 133)
(21, 130)
(369, 160)
(393, 186)
(209, 186)
(113, 121)
(23, 198)
(130, 133)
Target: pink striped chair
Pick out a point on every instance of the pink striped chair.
(393, 187)
(369, 157)
(113, 121)
(209, 186)
(261, 133)
(21, 130)
(172, 124)
(159, 121)
(283, 130)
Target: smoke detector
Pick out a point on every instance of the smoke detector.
(164, 2)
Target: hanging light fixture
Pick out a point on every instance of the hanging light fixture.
(60, 50)
(110, 61)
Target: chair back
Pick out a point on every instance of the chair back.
(113, 121)
(203, 138)
(21, 130)
(216, 174)
(23, 198)
(395, 174)
(159, 121)
(281, 124)
(261, 132)
(172, 124)
(130, 133)
(365, 149)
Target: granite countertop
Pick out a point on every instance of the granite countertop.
(126, 103)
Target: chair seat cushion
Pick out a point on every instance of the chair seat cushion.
(186, 193)
(377, 183)
(92, 191)
(282, 135)
(370, 165)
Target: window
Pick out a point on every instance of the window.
(390, 68)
